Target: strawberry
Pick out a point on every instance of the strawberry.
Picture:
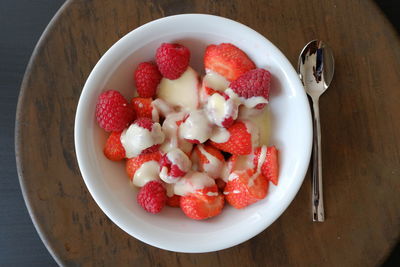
(113, 112)
(209, 149)
(240, 162)
(231, 163)
(209, 91)
(227, 60)
(133, 164)
(152, 197)
(113, 149)
(142, 107)
(202, 204)
(239, 142)
(210, 160)
(254, 83)
(147, 77)
(173, 201)
(270, 166)
(221, 184)
(179, 122)
(245, 187)
(172, 60)
(204, 93)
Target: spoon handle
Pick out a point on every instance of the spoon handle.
(317, 192)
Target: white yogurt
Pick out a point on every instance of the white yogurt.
(215, 81)
(260, 162)
(161, 107)
(260, 119)
(135, 139)
(170, 189)
(214, 166)
(247, 102)
(225, 172)
(220, 135)
(254, 131)
(192, 182)
(149, 171)
(171, 131)
(182, 92)
(219, 109)
(196, 127)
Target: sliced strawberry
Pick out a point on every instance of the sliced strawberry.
(142, 107)
(174, 201)
(133, 164)
(227, 60)
(178, 123)
(231, 163)
(202, 205)
(245, 188)
(210, 160)
(113, 149)
(209, 91)
(204, 93)
(270, 166)
(240, 163)
(239, 142)
(221, 184)
(211, 150)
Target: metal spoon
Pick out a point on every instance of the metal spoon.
(316, 68)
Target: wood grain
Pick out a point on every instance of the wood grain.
(360, 129)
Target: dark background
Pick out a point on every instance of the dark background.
(21, 24)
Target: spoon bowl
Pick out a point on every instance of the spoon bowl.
(316, 67)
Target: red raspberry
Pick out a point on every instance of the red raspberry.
(152, 149)
(172, 60)
(147, 77)
(144, 123)
(113, 112)
(253, 83)
(147, 124)
(152, 197)
(173, 169)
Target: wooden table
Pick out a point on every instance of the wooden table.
(360, 129)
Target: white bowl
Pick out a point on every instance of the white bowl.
(171, 229)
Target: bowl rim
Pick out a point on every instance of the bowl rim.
(102, 203)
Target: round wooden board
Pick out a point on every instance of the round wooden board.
(360, 129)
